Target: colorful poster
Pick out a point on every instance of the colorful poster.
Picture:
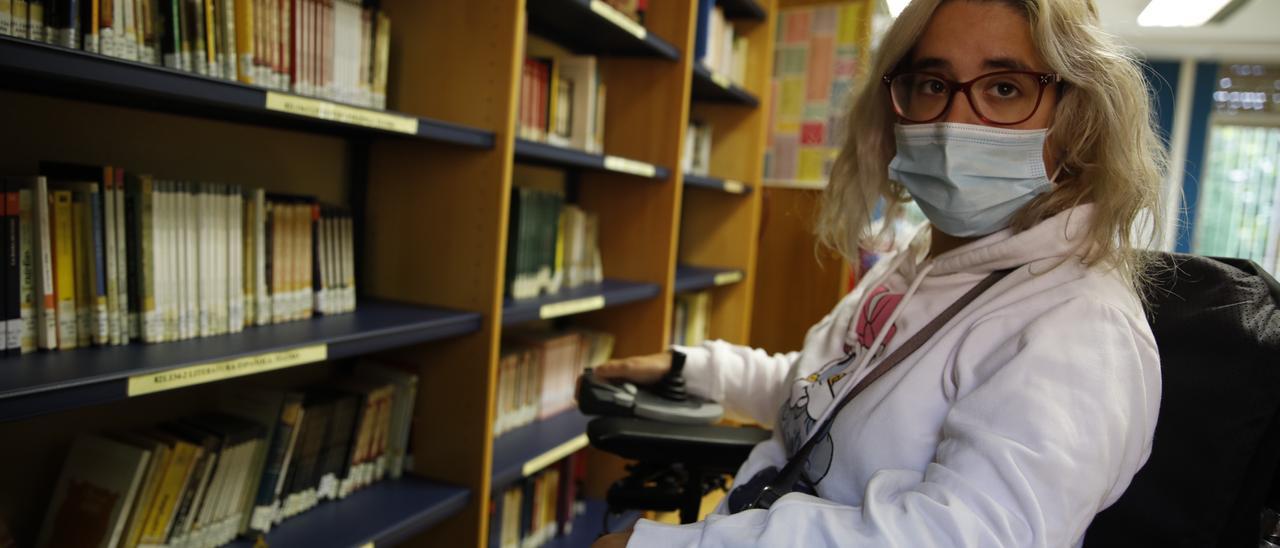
(817, 62)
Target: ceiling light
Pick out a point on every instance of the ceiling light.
(1181, 13)
(896, 6)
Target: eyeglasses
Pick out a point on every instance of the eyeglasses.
(1002, 98)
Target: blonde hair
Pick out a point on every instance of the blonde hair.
(1103, 135)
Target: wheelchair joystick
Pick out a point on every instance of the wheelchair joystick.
(671, 386)
(665, 401)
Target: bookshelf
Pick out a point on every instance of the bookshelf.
(532, 152)
(385, 514)
(530, 448)
(713, 87)
(56, 71)
(715, 183)
(45, 382)
(430, 182)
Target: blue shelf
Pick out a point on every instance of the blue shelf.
(693, 278)
(715, 183)
(51, 70)
(44, 382)
(533, 152)
(742, 9)
(575, 25)
(532, 443)
(384, 514)
(577, 300)
(707, 88)
(587, 527)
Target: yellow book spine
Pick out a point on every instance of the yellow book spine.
(244, 40)
(147, 501)
(210, 36)
(175, 478)
(65, 267)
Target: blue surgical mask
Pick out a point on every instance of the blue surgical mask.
(968, 179)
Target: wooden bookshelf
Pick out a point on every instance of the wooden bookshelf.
(432, 205)
(720, 213)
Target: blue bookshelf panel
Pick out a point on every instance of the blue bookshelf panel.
(44, 382)
(384, 514)
(532, 443)
(532, 152)
(715, 183)
(693, 278)
(580, 26)
(576, 300)
(717, 89)
(75, 74)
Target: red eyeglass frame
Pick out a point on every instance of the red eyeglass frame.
(1043, 78)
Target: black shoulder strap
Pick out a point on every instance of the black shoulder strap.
(787, 478)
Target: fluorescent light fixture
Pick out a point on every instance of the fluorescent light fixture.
(1180, 13)
(896, 6)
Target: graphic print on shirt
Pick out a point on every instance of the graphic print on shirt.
(812, 395)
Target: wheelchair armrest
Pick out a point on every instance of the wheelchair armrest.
(718, 447)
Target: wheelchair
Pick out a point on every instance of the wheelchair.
(1211, 479)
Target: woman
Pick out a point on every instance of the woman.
(1023, 133)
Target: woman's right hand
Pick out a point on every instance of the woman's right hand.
(646, 369)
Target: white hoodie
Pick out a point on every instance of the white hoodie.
(1017, 422)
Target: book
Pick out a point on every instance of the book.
(13, 323)
(95, 490)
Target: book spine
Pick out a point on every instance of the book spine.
(27, 293)
(89, 25)
(82, 269)
(96, 279)
(63, 264)
(109, 240)
(13, 272)
(122, 261)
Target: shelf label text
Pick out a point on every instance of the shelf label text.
(334, 112)
(733, 187)
(616, 17)
(221, 370)
(626, 165)
(725, 278)
(576, 306)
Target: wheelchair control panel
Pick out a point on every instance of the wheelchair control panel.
(665, 401)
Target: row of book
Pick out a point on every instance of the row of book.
(691, 318)
(697, 148)
(716, 45)
(538, 373)
(540, 507)
(562, 102)
(101, 256)
(264, 455)
(551, 245)
(335, 49)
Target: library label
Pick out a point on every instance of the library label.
(725, 278)
(367, 545)
(327, 110)
(733, 187)
(616, 17)
(227, 369)
(720, 79)
(585, 304)
(532, 466)
(626, 165)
